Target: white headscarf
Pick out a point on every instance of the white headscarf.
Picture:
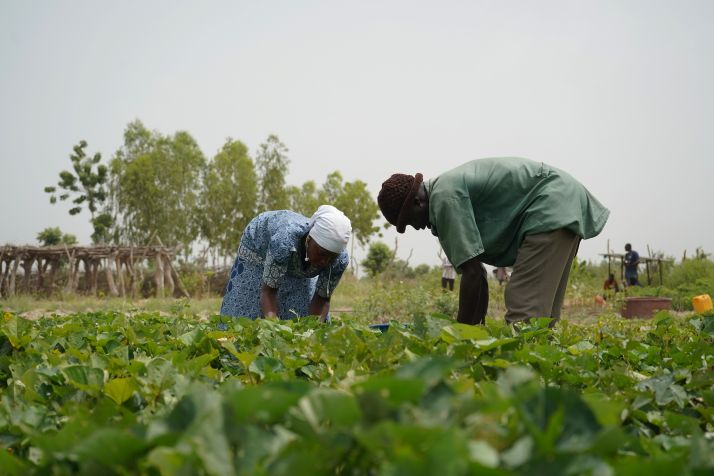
(330, 228)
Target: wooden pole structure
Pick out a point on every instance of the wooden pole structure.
(49, 259)
(13, 276)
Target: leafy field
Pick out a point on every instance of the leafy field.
(105, 393)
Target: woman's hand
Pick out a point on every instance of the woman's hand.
(269, 301)
(320, 306)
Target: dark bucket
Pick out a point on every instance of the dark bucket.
(645, 306)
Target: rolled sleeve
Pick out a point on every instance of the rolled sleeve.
(458, 234)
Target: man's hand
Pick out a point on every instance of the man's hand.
(473, 293)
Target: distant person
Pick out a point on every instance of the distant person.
(610, 285)
(632, 260)
(288, 265)
(501, 274)
(448, 273)
(502, 212)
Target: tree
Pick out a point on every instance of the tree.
(355, 201)
(50, 236)
(332, 190)
(304, 199)
(271, 163)
(378, 258)
(86, 184)
(53, 236)
(228, 198)
(156, 186)
(69, 239)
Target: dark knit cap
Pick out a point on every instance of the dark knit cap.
(398, 191)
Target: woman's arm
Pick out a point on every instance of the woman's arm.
(320, 306)
(269, 301)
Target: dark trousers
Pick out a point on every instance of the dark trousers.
(450, 282)
(540, 275)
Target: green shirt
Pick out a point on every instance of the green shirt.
(486, 207)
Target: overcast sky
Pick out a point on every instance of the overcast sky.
(618, 93)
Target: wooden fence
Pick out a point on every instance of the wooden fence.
(120, 264)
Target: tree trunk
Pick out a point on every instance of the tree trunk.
(120, 276)
(94, 267)
(41, 267)
(87, 275)
(110, 278)
(54, 264)
(75, 276)
(181, 287)
(27, 267)
(167, 275)
(132, 276)
(13, 277)
(159, 276)
(72, 268)
(4, 278)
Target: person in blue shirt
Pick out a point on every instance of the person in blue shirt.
(632, 260)
(288, 265)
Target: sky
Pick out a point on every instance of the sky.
(617, 93)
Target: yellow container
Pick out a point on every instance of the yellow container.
(702, 303)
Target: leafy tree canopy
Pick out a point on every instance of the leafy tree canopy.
(272, 164)
(228, 197)
(53, 236)
(378, 258)
(85, 185)
(157, 186)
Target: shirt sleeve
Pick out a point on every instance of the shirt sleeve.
(273, 271)
(329, 278)
(275, 265)
(457, 230)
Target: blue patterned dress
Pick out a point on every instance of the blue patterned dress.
(271, 252)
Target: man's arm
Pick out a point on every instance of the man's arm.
(320, 306)
(473, 293)
(269, 301)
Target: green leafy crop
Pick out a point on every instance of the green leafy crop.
(107, 393)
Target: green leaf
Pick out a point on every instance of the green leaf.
(120, 389)
(193, 337)
(110, 447)
(198, 421)
(266, 403)
(708, 326)
(458, 332)
(431, 370)
(324, 409)
(396, 391)
(11, 465)
(483, 453)
(582, 347)
(168, 461)
(519, 453)
(607, 411)
(267, 367)
(18, 330)
(85, 378)
(665, 390)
